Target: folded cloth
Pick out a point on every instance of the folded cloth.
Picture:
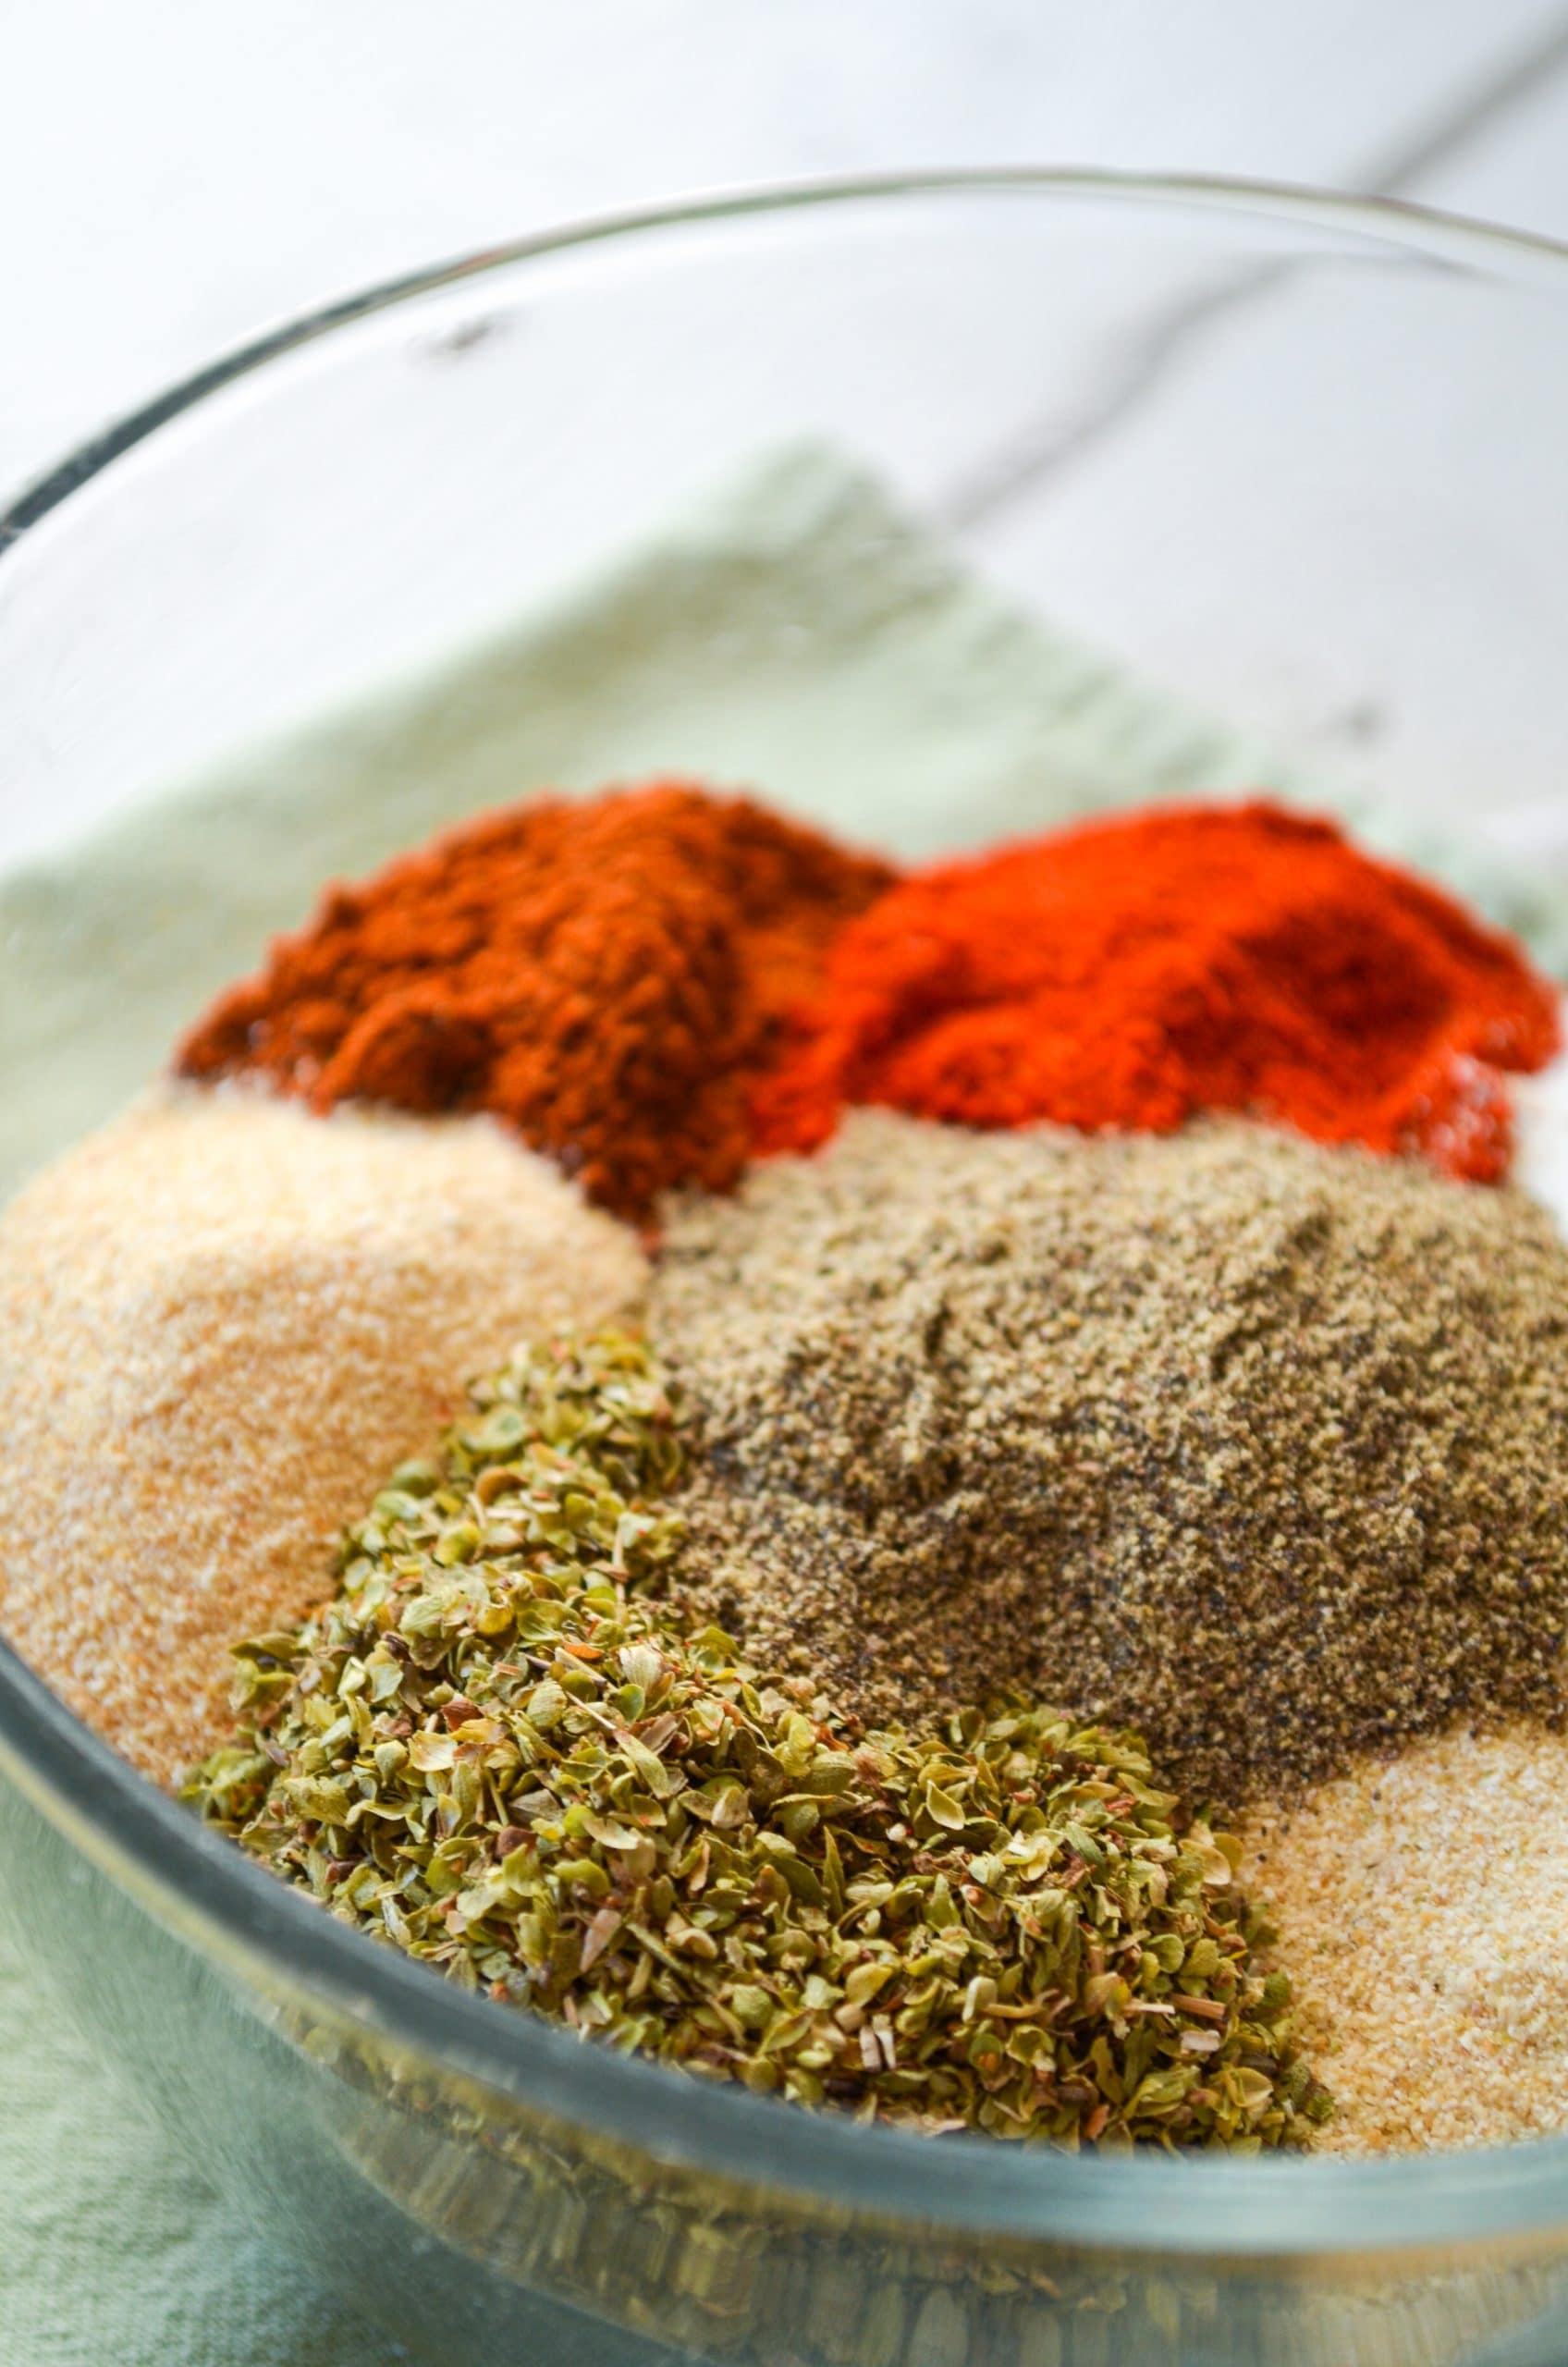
(793, 634)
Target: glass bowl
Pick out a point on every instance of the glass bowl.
(1297, 458)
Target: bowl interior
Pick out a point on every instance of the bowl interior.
(1284, 480)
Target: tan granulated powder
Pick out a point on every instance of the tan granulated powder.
(221, 1322)
(1258, 1446)
(1421, 1908)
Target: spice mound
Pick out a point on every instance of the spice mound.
(652, 985)
(220, 1320)
(1421, 1908)
(1130, 972)
(1260, 1446)
(603, 975)
(493, 1749)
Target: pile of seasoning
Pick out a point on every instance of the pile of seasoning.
(1063, 1273)
(1128, 974)
(492, 1749)
(220, 1321)
(1421, 1904)
(602, 973)
(1257, 1444)
(653, 984)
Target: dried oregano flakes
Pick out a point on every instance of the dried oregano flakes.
(502, 1748)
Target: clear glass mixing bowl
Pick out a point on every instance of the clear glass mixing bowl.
(1302, 460)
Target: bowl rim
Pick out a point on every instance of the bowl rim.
(1462, 241)
(217, 1900)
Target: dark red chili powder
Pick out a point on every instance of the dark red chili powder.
(605, 975)
(1125, 974)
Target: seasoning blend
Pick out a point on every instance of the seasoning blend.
(494, 1751)
(1212, 1417)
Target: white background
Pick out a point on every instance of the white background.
(175, 174)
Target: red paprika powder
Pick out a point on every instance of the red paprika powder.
(1125, 974)
(606, 976)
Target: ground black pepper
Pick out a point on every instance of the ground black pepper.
(1260, 1446)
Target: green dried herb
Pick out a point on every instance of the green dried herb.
(499, 1749)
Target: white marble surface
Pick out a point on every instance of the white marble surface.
(175, 178)
(174, 175)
